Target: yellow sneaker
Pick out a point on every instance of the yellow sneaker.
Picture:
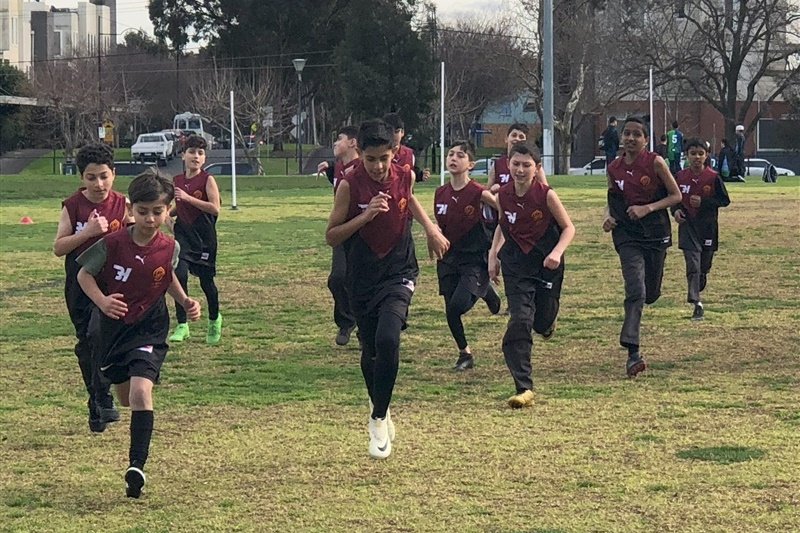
(523, 399)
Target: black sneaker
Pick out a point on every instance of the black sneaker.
(492, 300)
(698, 313)
(465, 362)
(547, 335)
(343, 337)
(104, 403)
(95, 425)
(134, 481)
(635, 365)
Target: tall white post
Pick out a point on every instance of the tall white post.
(652, 118)
(233, 159)
(548, 149)
(441, 133)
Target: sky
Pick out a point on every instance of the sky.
(132, 14)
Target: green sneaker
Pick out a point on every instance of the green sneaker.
(214, 330)
(181, 333)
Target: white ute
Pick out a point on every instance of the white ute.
(152, 147)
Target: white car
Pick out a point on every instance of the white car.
(755, 167)
(594, 167)
(481, 167)
(152, 147)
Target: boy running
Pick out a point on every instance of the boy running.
(126, 275)
(92, 211)
(346, 153)
(640, 189)
(371, 216)
(404, 156)
(463, 271)
(499, 173)
(703, 193)
(197, 205)
(529, 242)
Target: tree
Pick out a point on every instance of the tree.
(380, 63)
(13, 118)
(728, 53)
(588, 70)
(209, 95)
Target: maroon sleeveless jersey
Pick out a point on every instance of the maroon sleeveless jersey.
(404, 158)
(692, 184)
(340, 171)
(502, 174)
(79, 208)
(384, 231)
(638, 183)
(457, 212)
(196, 187)
(527, 217)
(141, 273)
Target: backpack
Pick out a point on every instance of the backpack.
(601, 143)
(770, 174)
(725, 169)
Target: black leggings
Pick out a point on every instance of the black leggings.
(457, 304)
(379, 332)
(208, 286)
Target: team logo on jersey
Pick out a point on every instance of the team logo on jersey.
(707, 190)
(113, 225)
(536, 215)
(198, 194)
(441, 209)
(80, 226)
(469, 210)
(620, 184)
(402, 205)
(504, 178)
(158, 274)
(645, 180)
(511, 217)
(685, 189)
(406, 167)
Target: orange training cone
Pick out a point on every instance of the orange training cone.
(25, 220)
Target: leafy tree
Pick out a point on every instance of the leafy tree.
(13, 118)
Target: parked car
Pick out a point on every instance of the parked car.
(152, 147)
(481, 167)
(756, 166)
(130, 168)
(593, 167)
(224, 169)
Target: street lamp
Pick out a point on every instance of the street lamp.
(298, 67)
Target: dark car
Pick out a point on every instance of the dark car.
(224, 169)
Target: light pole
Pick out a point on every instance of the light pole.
(298, 67)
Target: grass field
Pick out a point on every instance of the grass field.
(267, 431)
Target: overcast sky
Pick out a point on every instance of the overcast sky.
(132, 14)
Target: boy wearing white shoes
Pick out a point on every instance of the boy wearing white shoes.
(371, 217)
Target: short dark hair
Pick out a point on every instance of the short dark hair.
(149, 186)
(638, 120)
(375, 132)
(725, 142)
(394, 120)
(519, 126)
(196, 141)
(351, 132)
(524, 149)
(97, 153)
(663, 136)
(465, 145)
(696, 142)
(612, 119)
(674, 123)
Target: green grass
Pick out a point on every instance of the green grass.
(267, 431)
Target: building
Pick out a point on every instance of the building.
(35, 31)
(498, 116)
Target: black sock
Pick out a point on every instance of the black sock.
(633, 349)
(141, 430)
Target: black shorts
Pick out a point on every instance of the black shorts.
(137, 363)
(474, 278)
(201, 270)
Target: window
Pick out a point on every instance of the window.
(14, 32)
(778, 134)
(57, 43)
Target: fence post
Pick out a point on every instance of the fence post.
(54, 161)
(286, 160)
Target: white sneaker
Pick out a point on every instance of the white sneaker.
(380, 445)
(389, 423)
